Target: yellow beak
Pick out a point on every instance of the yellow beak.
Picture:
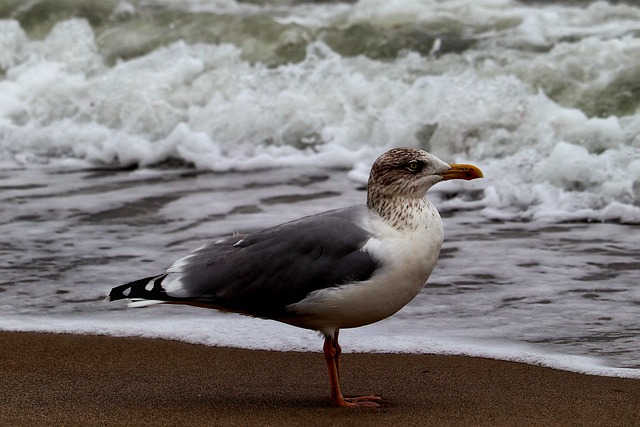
(461, 171)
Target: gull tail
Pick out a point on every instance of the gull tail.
(141, 293)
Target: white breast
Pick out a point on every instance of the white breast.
(408, 257)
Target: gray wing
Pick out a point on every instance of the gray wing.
(260, 274)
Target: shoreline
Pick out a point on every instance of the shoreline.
(59, 379)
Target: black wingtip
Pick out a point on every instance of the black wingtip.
(119, 292)
(138, 289)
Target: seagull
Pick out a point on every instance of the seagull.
(342, 268)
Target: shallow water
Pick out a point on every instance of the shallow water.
(543, 293)
(132, 131)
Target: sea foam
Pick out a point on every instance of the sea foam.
(205, 105)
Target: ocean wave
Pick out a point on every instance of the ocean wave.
(542, 98)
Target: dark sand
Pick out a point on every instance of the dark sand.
(50, 379)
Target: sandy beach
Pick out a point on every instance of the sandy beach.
(52, 379)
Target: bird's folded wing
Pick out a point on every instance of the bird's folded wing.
(260, 274)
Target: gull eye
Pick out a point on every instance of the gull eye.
(414, 166)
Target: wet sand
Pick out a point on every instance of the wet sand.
(52, 379)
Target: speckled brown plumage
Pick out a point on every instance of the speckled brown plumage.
(395, 191)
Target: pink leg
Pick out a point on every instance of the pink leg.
(332, 352)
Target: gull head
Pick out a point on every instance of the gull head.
(409, 172)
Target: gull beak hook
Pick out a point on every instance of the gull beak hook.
(461, 171)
